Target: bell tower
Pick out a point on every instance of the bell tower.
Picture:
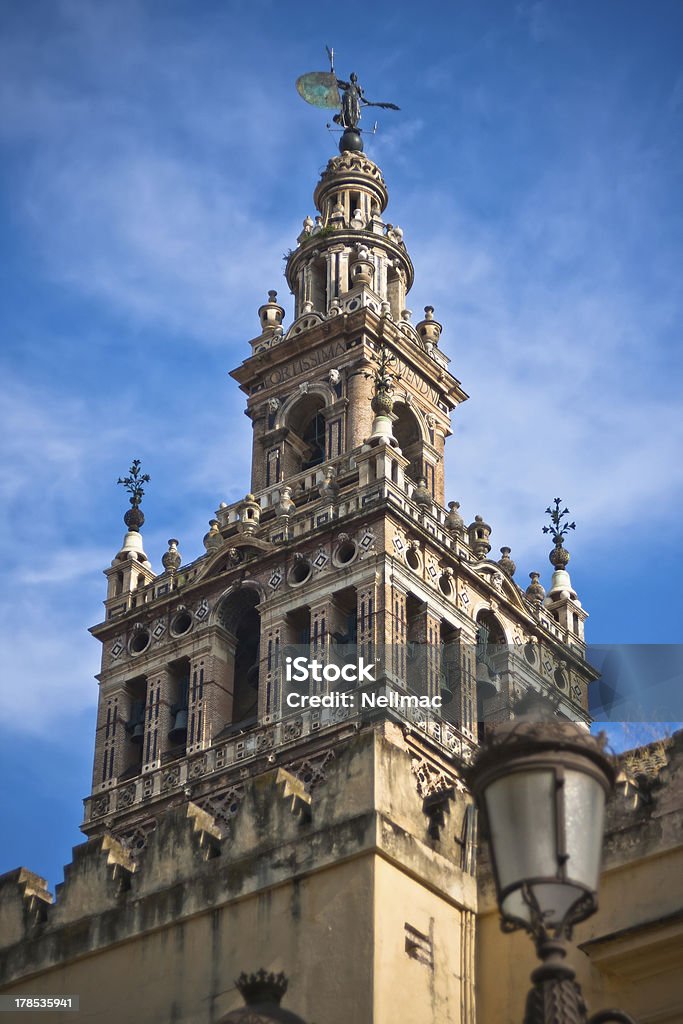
(307, 386)
(240, 819)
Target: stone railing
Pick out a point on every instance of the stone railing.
(263, 740)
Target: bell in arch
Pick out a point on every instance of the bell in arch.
(487, 681)
(178, 730)
(138, 733)
(136, 726)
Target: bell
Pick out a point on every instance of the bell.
(450, 672)
(138, 733)
(487, 685)
(178, 731)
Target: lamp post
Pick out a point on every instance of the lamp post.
(541, 786)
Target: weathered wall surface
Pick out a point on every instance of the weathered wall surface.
(318, 885)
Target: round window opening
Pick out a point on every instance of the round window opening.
(346, 552)
(530, 653)
(560, 679)
(181, 624)
(445, 585)
(300, 572)
(140, 642)
(412, 558)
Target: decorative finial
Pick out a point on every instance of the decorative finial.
(329, 488)
(250, 514)
(134, 517)
(479, 533)
(506, 563)
(454, 521)
(324, 89)
(535, 592)
(171, 559)
(286, 505)
(271, 313)
(422, 496)
(262, 987)
(384, 377)
(429, 329)
(213, 539)
(559, 556)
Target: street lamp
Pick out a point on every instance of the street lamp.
(541, 786)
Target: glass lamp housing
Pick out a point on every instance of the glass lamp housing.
(542, 788)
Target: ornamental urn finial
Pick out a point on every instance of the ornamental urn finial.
(558, 529)
(286, 505)
(133, 483)
(329, 488)
(361, 266)
(506, 563)
(213, 539)
(535, 592)
(454, 521)
(171, 559)
(422, 496)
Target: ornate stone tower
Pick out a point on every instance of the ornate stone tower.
(343, 540)
(237, 822)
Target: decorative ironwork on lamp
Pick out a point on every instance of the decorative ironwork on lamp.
(541, 786)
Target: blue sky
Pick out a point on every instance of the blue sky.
(157, 162)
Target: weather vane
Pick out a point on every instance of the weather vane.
(324, 89)
(133, 483)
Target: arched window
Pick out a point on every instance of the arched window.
(491, 645)
(406, 430)
(306, 442)
(136, 690)
(240, 618)
(314, 437)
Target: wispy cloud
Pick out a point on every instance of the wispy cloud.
(48, 661)
(537, 16)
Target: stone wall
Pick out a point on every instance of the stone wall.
(355, 890)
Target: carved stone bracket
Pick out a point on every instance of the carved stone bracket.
(206, 831)
(293, 789)
(436, 807)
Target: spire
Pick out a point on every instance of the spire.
(559, 556)
(134, 518)
(562, 600)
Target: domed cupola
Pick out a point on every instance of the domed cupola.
(351, 197)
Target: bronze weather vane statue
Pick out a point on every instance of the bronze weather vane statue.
(324, 89)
